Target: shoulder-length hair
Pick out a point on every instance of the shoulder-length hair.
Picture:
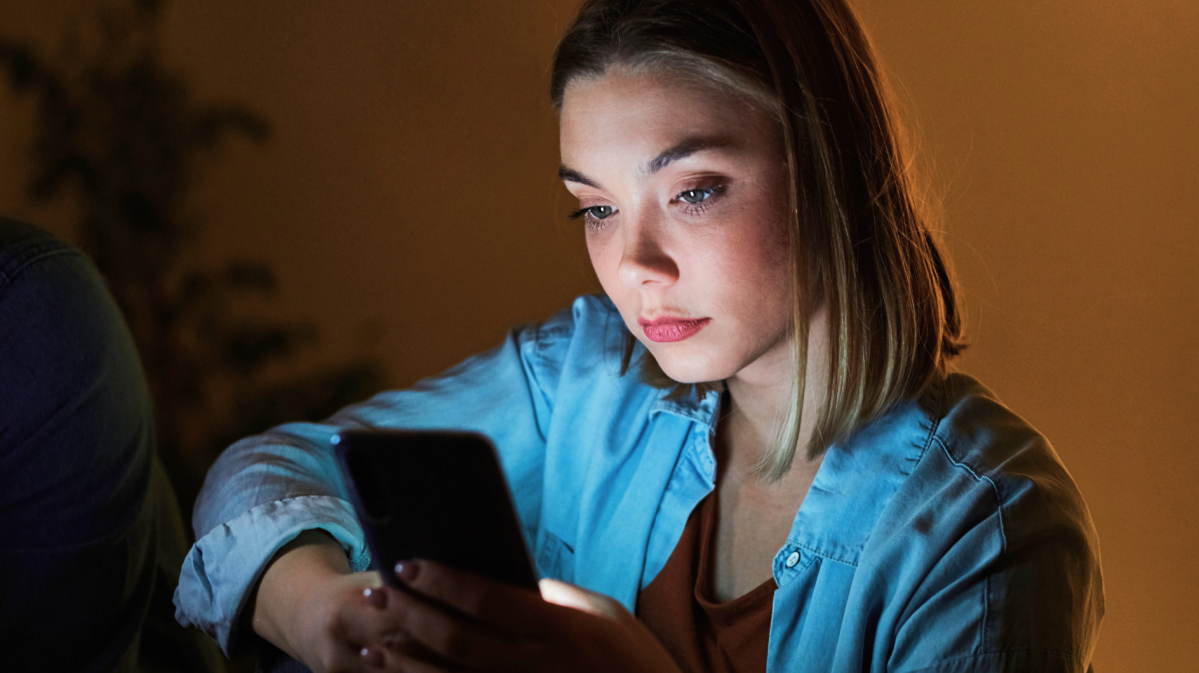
(859, 240)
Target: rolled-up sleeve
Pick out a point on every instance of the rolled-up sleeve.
(226, 561)
(265, 490)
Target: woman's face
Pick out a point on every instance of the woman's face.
(683, 197)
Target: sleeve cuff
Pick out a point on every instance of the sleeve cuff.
(222, 567)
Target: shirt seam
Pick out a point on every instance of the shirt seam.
(825, 555)
(983, 629)
(935, 423)
(31, 255)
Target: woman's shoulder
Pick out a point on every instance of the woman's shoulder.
(990, 518)
(995, 446)
(952, 458)
(970, 453)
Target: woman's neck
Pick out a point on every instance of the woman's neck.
(755, 513)
(758, 398)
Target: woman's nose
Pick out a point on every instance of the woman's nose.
(645, 259)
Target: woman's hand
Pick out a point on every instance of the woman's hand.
(310, 606)
(446, 619)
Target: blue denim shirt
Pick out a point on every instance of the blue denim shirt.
(945, 536)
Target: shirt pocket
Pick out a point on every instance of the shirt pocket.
(555, 558)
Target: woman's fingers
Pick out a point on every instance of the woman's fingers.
(453, 620)
(403, 626)
(453, 636)
(365, 629)
(488, 601)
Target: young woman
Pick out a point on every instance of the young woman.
(748, 455)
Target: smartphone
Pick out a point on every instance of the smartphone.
(436, 495)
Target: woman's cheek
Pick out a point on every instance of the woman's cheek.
(596, 252)
(606, 262)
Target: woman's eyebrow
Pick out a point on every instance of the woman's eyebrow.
(685, 149)
(572, 175)
(678, 151)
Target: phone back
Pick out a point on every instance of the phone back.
(436, 495)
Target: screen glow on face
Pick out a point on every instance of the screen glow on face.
(682, 198)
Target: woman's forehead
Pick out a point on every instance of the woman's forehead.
(652, 116)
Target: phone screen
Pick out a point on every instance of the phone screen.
(436, 495)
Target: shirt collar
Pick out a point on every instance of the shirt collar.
(700, 409)
(859, 476)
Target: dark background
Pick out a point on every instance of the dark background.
(408, 202)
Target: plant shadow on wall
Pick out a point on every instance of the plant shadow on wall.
(120, 135)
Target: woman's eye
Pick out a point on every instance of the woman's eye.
(600, 212)
(694, 196)
(593, 215)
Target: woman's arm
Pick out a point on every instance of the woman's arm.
(264, 491)
(306, 582)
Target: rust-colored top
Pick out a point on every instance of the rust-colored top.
(702, 635)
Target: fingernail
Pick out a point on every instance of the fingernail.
(376, 597)
(406, 570)
(373, 658)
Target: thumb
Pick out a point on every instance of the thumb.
(571, 596)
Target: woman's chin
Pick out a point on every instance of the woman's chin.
(691, 372)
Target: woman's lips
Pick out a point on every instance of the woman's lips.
(666, 330)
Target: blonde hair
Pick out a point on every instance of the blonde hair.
(858, 239)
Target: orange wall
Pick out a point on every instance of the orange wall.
(410, 189)
(1065, 138)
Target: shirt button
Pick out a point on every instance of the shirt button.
(793, 559)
